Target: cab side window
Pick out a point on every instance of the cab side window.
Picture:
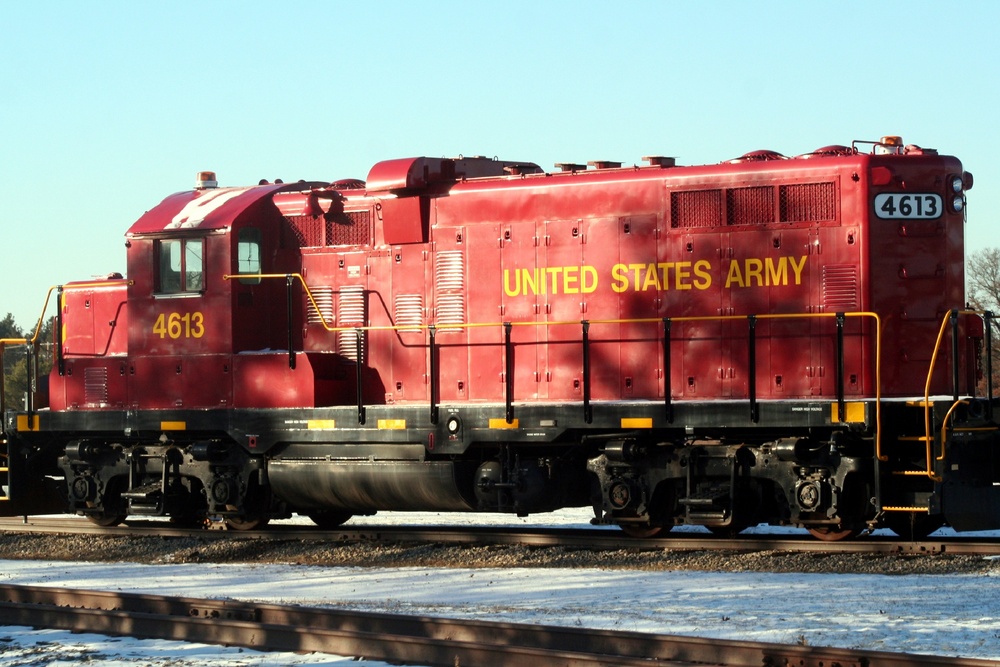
(180, 266)
(248, 255)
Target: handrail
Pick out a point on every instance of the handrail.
(4, 342)
(950, 318)
(944, 432)
(506, 326)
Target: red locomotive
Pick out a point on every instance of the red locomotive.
(771, 339)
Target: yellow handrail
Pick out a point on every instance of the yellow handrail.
(640, 320)
(928, 431)
(944, 431)
(4, 342)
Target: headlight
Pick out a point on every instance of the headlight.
(956, 184)
(958, 203)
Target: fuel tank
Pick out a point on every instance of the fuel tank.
(356, 479)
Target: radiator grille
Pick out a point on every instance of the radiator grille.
(308, 230)
(808, 202)
(352, 228)
(696, 208)
(750, 206)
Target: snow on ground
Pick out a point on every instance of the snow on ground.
(940, 614)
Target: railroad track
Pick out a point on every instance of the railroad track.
(413, 640)
(594, 540)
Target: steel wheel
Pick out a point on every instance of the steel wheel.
(246, 523)
(106, 520)
(833, 533)
(643, 530)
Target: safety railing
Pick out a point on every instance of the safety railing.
(951, 322)
(33, 342)
(667, 324)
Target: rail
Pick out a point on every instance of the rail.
(403, 639)
(585, 324)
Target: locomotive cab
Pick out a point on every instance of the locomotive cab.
(206, 330)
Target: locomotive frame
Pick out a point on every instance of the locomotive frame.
(722, 346)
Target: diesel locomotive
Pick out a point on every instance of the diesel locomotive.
(772, 339)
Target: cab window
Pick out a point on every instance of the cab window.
(181, 266)
(248, 254)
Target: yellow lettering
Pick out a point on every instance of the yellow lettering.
(619, 277)
(530, 281)
(682, 275)
(160, 326)
(176, 325)
(651, 280)
(570, 279)
(636, 268)
(777, 275)
(701, 269)
(586, 287)
(507, 289)
(735, 277)
(665, 270)
(798, 268)
(554, 271)
(754, 268)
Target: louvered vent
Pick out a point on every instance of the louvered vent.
(696, 208)
(840, 287)
(351, 313)
(808, 202)
(408, 311)
(750, 206)
(449, 289)
(95, 385)
(324, 298)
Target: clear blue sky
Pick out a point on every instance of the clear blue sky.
(107, 107)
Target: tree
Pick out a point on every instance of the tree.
(15, 362)
(11, 354)
(982, 276)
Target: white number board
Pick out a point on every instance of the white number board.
(894, 205)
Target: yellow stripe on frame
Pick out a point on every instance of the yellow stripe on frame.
(637, 422)
(853, 413)
(23, 425)
(321, 424)
(173, 426)
(502, 423)
(392, 424)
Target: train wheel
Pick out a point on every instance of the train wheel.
(643, 530)
(329, 518)
(833, 534)
(245, 523)
(106, 520)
